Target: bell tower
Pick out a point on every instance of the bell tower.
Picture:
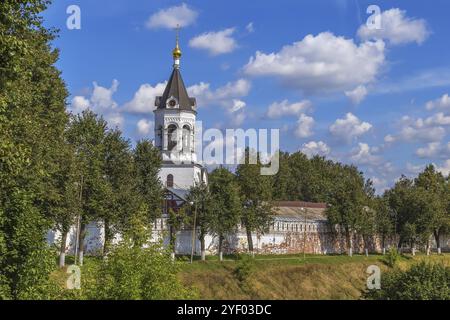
(175, 117)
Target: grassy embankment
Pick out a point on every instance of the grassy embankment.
(282, 276)
(290, 277)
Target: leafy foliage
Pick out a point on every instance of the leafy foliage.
(244, 267)
(423, 281)
(256, 195)
(135, 273)
(392, 257)
(225, 204)
(32, 122)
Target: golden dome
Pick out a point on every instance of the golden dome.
(176, 52)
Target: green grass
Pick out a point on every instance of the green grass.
(280, 276)
(290, 276)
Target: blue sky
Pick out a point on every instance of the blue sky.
(377, 98)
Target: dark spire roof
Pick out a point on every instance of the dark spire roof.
(175, 89)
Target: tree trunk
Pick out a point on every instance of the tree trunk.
(62, 250)
(413, 249)
(108, 237)
(399, 245)
(349, 243)
(249, 241)
(81, 243)
(437, 237)
(202, 246)
(172, 239)
(383, 244)
(220, 248)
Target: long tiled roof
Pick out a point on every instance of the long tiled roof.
(292, 211)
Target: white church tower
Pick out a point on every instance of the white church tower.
(175, 117)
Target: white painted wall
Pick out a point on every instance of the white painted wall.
(184, 176)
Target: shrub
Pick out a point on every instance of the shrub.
(244, 268)
(392, 257)
(423, 281)
(134, 273)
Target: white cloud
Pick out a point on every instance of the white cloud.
(239, 88)
(357, 95)
(428, 130)
(304, 126)
(385, 169)
(396, 28)
(429, 151)
(441, 103)
(143, 101)
(389, 138)
(438, 119)
(284, 108)
(79, 104)
(349, 128)
(434, 149)
(250, 28)
(114, 119)
(101, 102)
(201, 91)
(229, 97)
(223, 96)
(215, 43)
(313, 148)
(379, 184)
(102, 97)
(171, 17)
(414, 169)
(321, 63)
(364, 155)
(145, 127)
(445, 168)
(237, 112)
(237, 105)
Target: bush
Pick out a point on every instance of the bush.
(244, 268)
(392, 257)
(134, 273)
(423, 281)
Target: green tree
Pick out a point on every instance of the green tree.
(256, 196)
(147, 163)
(32, 122)
(284, 179)
(225, 204)
(384, 223)
(200, 197)
(87, 134)
(63, 197)
(347, 203)
(177, 218)
(434, 215)
(123, 201)
(399, 198)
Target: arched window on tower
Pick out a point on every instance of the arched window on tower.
(171, 137)
(186, 138)
(169, 181)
